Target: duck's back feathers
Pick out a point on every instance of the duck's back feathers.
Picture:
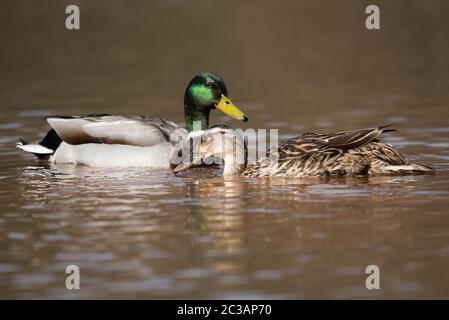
(108, 129)
(346, 140)
(355, 152)
(327, 143)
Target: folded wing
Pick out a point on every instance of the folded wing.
(135, 130)
(346, 140)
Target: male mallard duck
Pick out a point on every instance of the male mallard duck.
(355, 152)
(108, 140)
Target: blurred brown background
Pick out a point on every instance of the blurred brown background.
(282, 60)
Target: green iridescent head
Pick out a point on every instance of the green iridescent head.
(205, 92)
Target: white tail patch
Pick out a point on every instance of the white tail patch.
(34, 148)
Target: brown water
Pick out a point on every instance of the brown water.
(308, 66)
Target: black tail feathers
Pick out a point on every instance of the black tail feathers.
(51, 140)
(45, 148)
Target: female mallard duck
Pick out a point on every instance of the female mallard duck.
(355, 152)
(134, 141)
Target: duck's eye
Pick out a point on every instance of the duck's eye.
(208, 84)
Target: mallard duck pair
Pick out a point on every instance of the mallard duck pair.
(354, 153)
(135, 141)
(132, 141)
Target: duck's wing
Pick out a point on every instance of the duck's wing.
(109, 129)
(306, 153)
(331, 143)
(345, 140)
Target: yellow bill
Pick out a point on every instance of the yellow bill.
(230, 109)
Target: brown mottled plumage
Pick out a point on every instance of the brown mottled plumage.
(355, 152)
